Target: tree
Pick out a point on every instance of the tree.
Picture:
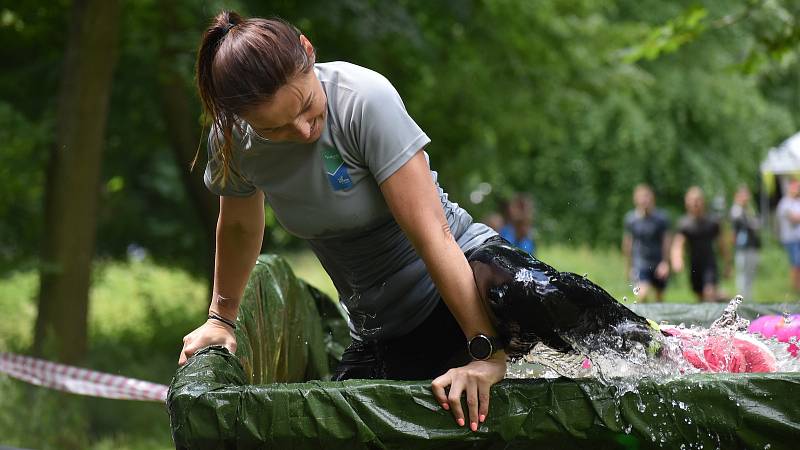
(180, 113)
(72, 181)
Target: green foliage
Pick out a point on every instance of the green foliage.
(60, 418)
(772, 25)
(671, 36)
(575, 101)
(22, 174)
(140, 311)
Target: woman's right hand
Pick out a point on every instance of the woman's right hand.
(210, 333)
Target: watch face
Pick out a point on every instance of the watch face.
(480, 347)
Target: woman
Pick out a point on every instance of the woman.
(747, 242)
(333, 150)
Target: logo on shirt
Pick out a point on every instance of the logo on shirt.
(336, 169)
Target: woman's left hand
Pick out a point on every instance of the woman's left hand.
(475, 379)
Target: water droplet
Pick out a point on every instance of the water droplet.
(585, 275)
(636, 290)
(624, 299)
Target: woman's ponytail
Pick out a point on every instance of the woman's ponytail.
(240, 64)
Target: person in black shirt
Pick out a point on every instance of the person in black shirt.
(699, 231)
(645, 244)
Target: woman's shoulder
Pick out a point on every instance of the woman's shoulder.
(353, 80)
(239, 135)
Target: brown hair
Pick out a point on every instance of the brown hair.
(242, 63)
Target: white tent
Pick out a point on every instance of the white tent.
(783, 159)
(781, 165)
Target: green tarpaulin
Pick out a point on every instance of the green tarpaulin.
(214, 402)
(279, 336)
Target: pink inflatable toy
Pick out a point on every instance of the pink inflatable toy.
(781, 328)
(734, 354)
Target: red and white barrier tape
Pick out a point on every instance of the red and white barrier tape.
(79, 381)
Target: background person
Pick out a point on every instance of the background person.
(747, 242)
(788, 212)
(700, 232)
(518, 229)
(494, 220)
(645, 244)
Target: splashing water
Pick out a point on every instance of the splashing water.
(624, 369)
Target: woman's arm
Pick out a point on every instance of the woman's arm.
(240, 229)
(676, 252)
(414, 201)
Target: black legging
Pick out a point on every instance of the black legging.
(528, 301)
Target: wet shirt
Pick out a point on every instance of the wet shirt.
(700, 233)
(647, 233)
(327, 193)
(789, 232)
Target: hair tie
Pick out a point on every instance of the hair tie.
(227, 28)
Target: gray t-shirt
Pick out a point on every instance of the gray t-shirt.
(327, 193)
(789, 232)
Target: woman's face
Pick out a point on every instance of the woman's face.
(296, 113)
(742, 197)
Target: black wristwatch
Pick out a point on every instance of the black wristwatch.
(482, 347)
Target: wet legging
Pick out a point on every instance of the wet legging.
(529, 302)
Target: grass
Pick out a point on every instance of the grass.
(140, 311)
(138, 315)
(606, 267)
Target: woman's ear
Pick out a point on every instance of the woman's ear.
(309, 48)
